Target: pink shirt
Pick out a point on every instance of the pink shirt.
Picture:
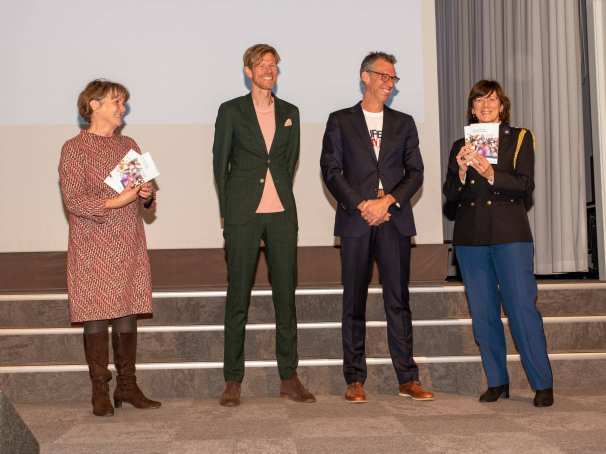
(270, 201)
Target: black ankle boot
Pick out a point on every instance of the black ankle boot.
(493, 394)
(543, 398)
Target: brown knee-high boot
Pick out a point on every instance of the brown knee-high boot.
(96, 350)
(125, 355)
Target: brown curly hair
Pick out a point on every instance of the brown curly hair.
(97, 90)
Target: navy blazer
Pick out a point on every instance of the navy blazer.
(351, 170)
(487, 214)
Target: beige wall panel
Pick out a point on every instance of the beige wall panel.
(187, 215)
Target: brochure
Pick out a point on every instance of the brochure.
(133, 168)
(485, 139)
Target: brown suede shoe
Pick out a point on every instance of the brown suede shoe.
(231, 394)
(355, 393)
(415, 391)
(294, 390)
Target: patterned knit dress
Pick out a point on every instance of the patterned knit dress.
(108, 273)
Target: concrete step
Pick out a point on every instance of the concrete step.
(181, 348)
(319, 340)
(16, 435)
(462, 374)
(322, 305)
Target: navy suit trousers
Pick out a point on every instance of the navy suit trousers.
(392, 252)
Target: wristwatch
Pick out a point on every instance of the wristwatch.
(148, 202)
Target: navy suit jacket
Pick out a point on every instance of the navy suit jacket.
(351, 170)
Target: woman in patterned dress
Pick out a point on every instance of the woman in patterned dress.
(108, 272)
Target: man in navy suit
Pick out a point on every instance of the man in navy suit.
(372, 166)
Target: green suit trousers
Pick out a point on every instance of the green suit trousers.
(242, 243)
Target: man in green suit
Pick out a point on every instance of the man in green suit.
(255, 152)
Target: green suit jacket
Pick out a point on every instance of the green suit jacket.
(241, 160)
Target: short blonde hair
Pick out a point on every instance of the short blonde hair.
(97, 90)
(255, 53)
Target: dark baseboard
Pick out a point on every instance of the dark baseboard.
(192, 269)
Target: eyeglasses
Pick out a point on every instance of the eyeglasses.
(484, 100)
(385, 77)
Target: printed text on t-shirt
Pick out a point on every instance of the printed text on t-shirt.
(375, 138)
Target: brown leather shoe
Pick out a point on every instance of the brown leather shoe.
(294, 390)
(355, 393)
(231, 394)
(415, 391)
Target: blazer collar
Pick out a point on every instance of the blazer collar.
(280, 117)
(387, 134)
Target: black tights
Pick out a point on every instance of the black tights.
(126, 324)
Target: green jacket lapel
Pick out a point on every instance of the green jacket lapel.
(248, 109)
(280, 120)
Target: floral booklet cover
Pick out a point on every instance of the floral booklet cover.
(485, 139)
(133, 168)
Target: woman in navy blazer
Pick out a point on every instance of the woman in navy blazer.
(493, 244)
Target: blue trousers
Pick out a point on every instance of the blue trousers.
(503, 274)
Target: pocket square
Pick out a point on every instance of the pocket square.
(288, 123)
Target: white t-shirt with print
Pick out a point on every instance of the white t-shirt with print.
(374, 123)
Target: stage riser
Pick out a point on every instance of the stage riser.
(185, 269)
(313, 343)
(463, 378)
(310, 308)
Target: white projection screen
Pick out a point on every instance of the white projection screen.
(180, 59)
